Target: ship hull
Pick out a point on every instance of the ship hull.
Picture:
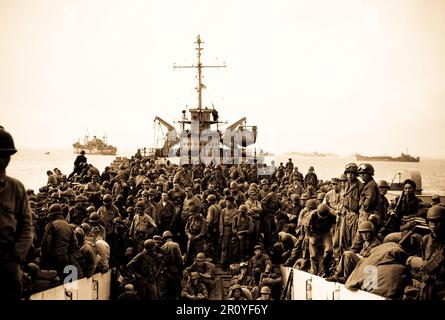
(97, 152)
(388, 159)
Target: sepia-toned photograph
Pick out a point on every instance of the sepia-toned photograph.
(222, 150)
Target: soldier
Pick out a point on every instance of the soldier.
(237, 195)
(350, 208)
(151, 206)
(194, 289)
(196, 232)
(78, 213)
(59, 241)
(86, 257)
(108, 214)
(311, 179)
(218, 179)
(333, 196)
(205, 270)
(254, 210)
(80, 160)
(102, 250)
(173, 265)
(190, 201)
(95, 221)
(236, 293)
(320, 223)
(270, 204)
(225, 229)
(242, 228)
(384, 203)
(407, 205)
(259, 264)
(142, 227)
(289, 165)
(213, 217)
(266, 293)
(297, 176)
(350, 259)
(369, 202)
(435, 199)
(147, 267)
(183, 178)
(264, 188)
(433, 257)
(15, 224)
(92, 191)
(167, 214)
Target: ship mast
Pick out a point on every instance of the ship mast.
(199, 66)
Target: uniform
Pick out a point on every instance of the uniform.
(320, 240)
(15, 234)
(213, 217)
(172, 269)
(349, 215)
(147, 267)
(225, 232)
(196, 231)
(242, 228)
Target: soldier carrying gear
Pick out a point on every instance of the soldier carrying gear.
(213, 217)
(173, 265)
(260, 263)
(266, 293)
(142, 227)
(194, 289)
(196, 231)
(147, 267)
(225, 229)
(15, 224)
(204, 268)
(242, 228)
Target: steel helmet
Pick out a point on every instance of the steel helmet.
(266, 290)
(351, 167)
(200, 257)
(383, 184)
(6, 142)
(149, 244)
(55, 209)
(312, 204)
(365, 168)
(233, 184)
(304, 196)
(295, 197)
(86, 227)
(194, 275)
(81, 198)
(107, 198)
(91, 209)
(140, 204)
(151, 192)
(146, 181)
(323, 209)
(366, 226)
(145, 193)
(435, 213)
(80, 234)
(166, 234)
(94, 217)
(211, 198)
(321, 196)
(264, 181)
(236, 287)
(55, 195)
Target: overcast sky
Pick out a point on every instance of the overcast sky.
(337, 76)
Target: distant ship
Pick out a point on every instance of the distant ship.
(310, 154)
(404, 157)
(95, 146)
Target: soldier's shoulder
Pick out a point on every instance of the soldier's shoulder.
(17, 184)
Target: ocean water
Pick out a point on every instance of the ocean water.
(30, 166)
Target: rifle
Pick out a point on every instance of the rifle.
(396, 211)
